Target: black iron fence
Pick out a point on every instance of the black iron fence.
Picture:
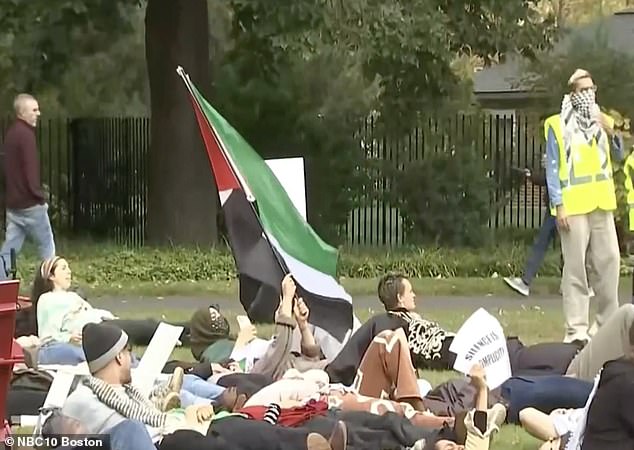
(95, 173)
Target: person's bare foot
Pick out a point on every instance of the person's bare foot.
(316, 441)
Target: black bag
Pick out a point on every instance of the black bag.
(31, 379)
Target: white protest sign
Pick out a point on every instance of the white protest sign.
(155, 356)
(481, 340)
(290, 173)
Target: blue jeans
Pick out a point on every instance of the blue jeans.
(196, 391)
(32, 222)
(546, 234)
(60, 353)
(65, 353)
(130, 435)
(544, 393)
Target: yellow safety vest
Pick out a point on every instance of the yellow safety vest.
(586, 186)
(628, 168)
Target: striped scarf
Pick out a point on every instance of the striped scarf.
(133, 405)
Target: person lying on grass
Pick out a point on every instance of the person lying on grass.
(107, 398)
(385, 381)
(475, 430)
(59, 315)
(429, 343)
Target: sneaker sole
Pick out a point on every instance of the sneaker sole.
(516, 289)
(176, 381)
(172, 401)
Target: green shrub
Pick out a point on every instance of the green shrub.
(445, 198)
(107, 264)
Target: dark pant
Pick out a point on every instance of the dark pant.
(546, 234)
(245, 434)
(245, 383)
(367, 430)
(544, 393)
(140, 332)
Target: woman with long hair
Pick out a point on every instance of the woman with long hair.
(60, 315)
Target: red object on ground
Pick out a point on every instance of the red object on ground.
(10, 351)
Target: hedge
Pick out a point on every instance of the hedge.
(102, 264)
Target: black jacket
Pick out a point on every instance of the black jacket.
(610, 423)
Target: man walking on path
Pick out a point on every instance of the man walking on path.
(546, 234)
(580, 144)
(26, 207)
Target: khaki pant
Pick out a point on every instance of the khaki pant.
(593, 234)
(612, 341)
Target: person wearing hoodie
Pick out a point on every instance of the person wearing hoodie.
(610, 422)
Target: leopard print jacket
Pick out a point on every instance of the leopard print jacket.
(425, 338)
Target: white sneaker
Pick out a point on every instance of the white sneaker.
(591, 292)
(518, 285)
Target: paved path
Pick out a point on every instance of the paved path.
(510, 301)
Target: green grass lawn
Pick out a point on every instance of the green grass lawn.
(458, 286)
(532, 325)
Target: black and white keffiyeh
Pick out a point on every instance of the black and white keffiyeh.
(579, 112)
(425, 338)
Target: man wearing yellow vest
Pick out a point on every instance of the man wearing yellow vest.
(628, 169)
(580, 146)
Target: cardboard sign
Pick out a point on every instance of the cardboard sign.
(481, 340)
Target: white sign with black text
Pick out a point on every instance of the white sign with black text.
(481, 341)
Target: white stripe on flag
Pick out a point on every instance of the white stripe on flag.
(224, 195)
(311, 279)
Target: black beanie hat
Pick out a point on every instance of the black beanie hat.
(102, 342)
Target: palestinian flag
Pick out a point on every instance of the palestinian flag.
(268, 236)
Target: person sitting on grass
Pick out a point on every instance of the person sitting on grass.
(60, 315)
(107, 398)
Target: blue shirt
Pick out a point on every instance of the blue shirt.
(552, 164)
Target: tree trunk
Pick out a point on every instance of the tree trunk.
(182, 195)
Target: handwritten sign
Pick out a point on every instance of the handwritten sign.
(481, 341)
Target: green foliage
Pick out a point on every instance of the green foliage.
(445, 197)
(110, 265)
(409, 44)
(304, 110)
(41, 43)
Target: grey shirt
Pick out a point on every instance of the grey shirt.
(83, 405)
